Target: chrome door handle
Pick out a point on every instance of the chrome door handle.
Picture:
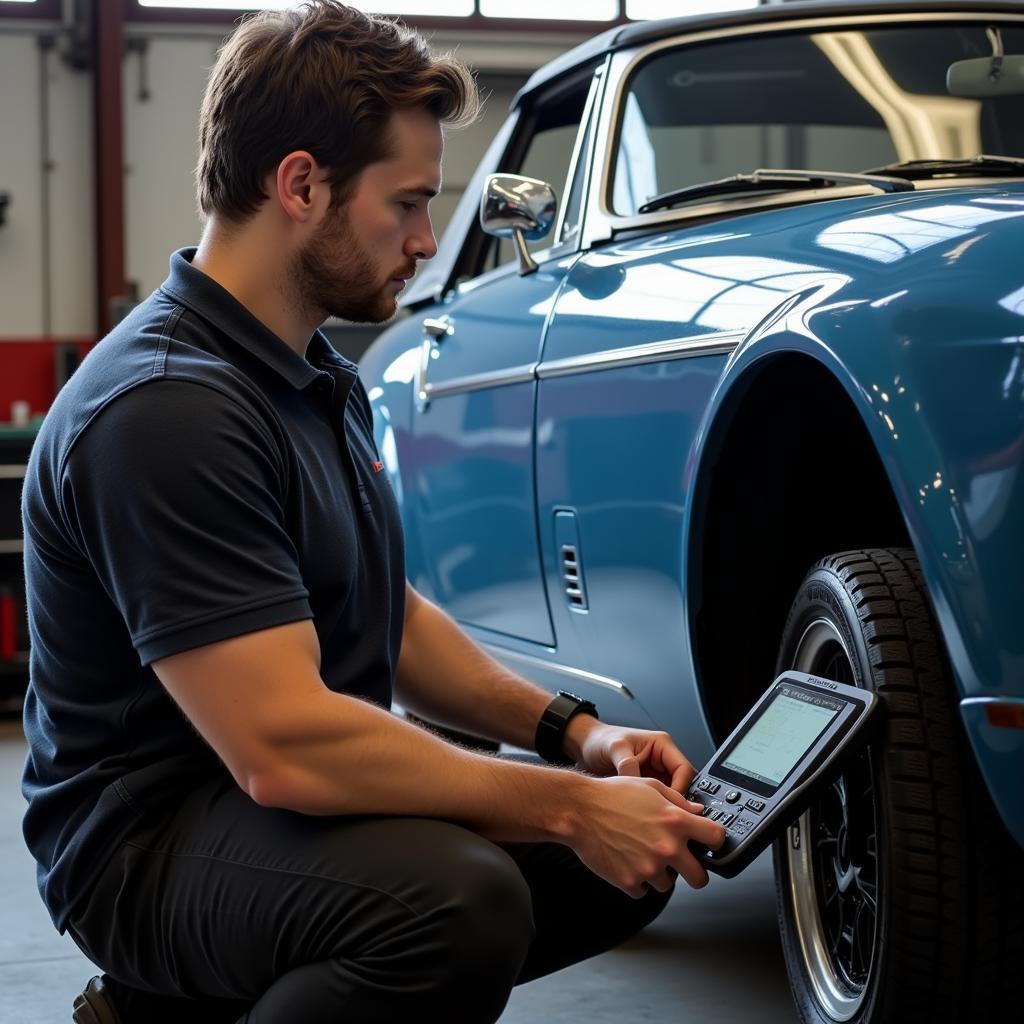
(435, 330)
(438, 328)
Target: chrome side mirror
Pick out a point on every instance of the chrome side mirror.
(518, 208)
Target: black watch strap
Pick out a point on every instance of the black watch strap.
(551, 728)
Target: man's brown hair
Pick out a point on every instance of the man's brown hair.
(322, 78)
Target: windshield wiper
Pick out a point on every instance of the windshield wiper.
(769, 179)
(982, 165)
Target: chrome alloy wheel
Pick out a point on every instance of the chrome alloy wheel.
(832, 855)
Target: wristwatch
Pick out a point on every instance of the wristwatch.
(551, 728)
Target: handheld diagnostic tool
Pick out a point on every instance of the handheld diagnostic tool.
(791, 744)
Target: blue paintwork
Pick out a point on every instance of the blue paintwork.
(915, 303)
(601, 434)
(472, 454)
(464, 466)
(922, 321)
(912, 302)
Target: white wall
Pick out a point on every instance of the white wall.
(70, 180)
(160, 155)
(161, 152)
(73, 203)
(160, 149)
(20, 243)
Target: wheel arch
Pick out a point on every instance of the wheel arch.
(788, 474)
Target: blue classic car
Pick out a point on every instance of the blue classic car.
(754, 401)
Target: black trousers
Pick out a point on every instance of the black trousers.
(229, 911)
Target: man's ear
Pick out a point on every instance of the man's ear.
(301, 187)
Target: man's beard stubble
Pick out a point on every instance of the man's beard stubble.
(333, 275)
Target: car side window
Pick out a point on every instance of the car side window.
(543, 149)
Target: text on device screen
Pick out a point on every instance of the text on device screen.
(785, 731)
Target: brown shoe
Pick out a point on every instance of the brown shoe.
(95, 1005)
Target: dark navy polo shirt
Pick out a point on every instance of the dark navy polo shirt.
(195, 480)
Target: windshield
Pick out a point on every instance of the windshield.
(838, 101)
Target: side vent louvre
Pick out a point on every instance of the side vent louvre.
(570, 560)
(571, 576)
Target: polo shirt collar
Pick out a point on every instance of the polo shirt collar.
(200, 293)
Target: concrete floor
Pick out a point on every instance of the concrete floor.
(713, 956)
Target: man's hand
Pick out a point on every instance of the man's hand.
(635, 833)
(616, 750)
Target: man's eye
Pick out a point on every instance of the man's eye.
(407, 206)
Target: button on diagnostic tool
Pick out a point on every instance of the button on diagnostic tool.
(732, 796)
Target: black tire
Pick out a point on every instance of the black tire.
(910, 823)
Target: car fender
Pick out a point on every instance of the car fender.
(935, 371)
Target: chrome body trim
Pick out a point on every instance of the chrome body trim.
(480, 381)
(718, 343)
(11, 547)
(551, 666)
(602, 224)
(12, 472)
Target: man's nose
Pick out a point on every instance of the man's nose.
(422, 245)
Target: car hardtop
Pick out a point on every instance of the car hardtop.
(434, 279)
(624, 37)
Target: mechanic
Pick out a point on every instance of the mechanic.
(227, 816)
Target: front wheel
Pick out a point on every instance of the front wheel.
(899, 889)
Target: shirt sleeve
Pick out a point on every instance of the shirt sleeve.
(176, 495)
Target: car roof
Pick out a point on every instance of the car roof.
(624, 36)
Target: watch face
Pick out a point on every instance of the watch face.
(552, 725)
(579, 701)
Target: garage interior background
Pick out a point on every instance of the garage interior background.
(99, 103)
(74, 257)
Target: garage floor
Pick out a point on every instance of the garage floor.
(713, 956)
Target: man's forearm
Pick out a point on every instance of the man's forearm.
(290, 742)
(332, 754)
(335, 754)
(448, 679)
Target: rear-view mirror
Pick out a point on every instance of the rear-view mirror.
(982, 77)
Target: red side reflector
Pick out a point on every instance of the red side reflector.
(1009, 716)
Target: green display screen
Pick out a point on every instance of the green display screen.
(786, 729)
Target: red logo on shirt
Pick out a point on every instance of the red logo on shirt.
(378, 466)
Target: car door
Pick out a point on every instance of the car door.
(638, 339)
(473, 424)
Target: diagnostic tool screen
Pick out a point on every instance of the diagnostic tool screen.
(784, 732)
